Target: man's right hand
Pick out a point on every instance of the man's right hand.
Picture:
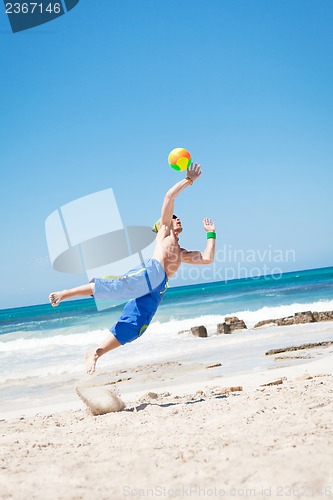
(194, 171)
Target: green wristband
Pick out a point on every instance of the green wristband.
(211, 234)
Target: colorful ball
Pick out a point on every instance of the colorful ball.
(179, 159)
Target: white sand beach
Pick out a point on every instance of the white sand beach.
(190, 437)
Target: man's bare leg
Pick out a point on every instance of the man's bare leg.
(92, 356)
(84, 290)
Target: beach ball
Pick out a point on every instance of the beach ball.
(179, 159)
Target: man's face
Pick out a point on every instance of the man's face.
(176, 225)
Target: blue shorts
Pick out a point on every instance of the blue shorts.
(145, 286)
(139, 281)
(137, 315)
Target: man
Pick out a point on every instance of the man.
(146, 284)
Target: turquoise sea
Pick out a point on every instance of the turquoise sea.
(41, 347)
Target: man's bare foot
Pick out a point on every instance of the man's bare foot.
(91, 358)
(55, 298)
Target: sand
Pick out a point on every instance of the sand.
(187, 439)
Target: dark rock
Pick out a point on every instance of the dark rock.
(299, 318)
(303, 317)
(279, 381)
(223, 328)
(288, 320)
(265, 322)
(325, 343)
(199, 331)
(235, 323)
(323, 316)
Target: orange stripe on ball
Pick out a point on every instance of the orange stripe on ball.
(178, 153)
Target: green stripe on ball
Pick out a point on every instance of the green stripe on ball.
(175, 167)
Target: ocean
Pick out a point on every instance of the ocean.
(42, 348)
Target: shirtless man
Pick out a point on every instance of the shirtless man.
(146, 284)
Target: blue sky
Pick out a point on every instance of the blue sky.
(98, 97)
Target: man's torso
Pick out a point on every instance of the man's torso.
(168, 251)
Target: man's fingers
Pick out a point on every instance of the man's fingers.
(208, 222)
(195, 167)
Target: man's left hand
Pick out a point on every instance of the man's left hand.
(208, 224)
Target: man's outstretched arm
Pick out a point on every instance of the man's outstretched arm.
(207, 256)
(193, 173)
